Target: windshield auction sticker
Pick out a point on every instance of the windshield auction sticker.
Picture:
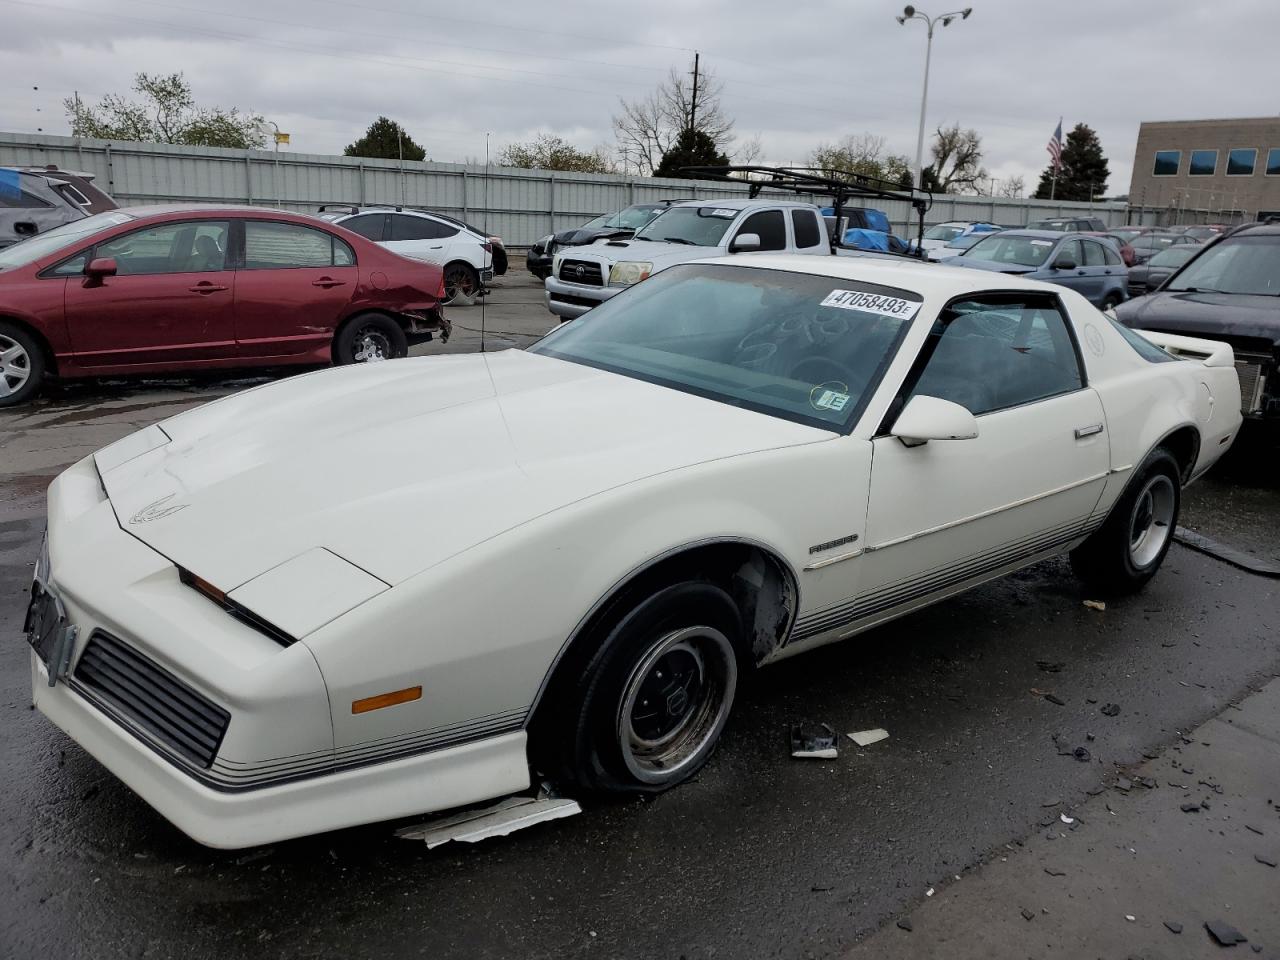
(871, 303)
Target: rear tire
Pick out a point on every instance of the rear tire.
(1110, 302)
(1127, 550)
(461, 284)
(22, 365)
(369, 338)
(647, 709)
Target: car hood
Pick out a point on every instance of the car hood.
(1207, 314)
(398, 466)
(580, 236)
(1012, 268)
(658, 253)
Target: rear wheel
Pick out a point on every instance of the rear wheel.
(369, 338)
(1111, 301)
(647, 711)
(1127, 550)
(21, 365)
(461, 284)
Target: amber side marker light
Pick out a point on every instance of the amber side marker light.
(202, 586)
(407, 695)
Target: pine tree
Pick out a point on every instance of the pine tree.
(1083, 172)
(693, 149)
(385, 139)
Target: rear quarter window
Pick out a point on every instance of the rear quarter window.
(1144, 347)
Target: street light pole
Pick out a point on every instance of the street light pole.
(911, 13)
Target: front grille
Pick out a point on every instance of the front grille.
(153, 698)
(1249, 370)
(581, 271)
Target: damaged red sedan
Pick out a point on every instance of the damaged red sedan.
(179, 288)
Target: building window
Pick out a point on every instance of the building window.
(1273, 162)
(1240, 162)
(1167, 163)
(1204, 163)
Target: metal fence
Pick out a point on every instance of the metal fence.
(518, 205)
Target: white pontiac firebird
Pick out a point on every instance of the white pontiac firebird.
(372, 592)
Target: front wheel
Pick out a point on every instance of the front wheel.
(648, 709)
(370, 338)
(1127, 550)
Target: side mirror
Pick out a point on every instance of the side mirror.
(1065, 262)
(931, 418)
(745, 242)
(101, 267)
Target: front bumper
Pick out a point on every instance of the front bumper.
(274, 772)
(570, 300)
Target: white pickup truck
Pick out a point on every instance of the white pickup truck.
(584, 277)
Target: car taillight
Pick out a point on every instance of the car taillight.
(488, 247)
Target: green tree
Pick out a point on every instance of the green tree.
(692, 148)
(1083, 172)
(547, 152)
(385, 140)
(861, 155)
(166, 113)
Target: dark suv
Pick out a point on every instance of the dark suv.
(617, 226)
(36, 199)
(1230, 291)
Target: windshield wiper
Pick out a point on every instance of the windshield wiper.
(677, 240)
(1193, 290)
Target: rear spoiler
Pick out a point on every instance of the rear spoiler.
(1212, 353)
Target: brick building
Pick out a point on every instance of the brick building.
(1195, 171)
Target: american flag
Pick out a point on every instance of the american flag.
(1055, 146)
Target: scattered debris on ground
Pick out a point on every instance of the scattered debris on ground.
(1225, 934)
(813, 741)
(1095, 605)
(1174, 926)
(1110, 710)
(904, 924)
(864, 738)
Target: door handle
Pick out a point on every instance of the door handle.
(327, 282)
(1089, 431)
(204, 286)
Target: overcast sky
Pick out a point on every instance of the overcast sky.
(795, 73)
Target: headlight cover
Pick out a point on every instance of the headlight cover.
(626, 272)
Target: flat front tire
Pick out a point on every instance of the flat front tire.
(1127, 550)
(648, 709)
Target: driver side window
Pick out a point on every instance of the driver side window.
(182, 247)
(771, 227)
(992, 353)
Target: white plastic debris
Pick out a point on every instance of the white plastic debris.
(864, 738)
(1065, 819)
(504, 817)
(1095, 605)
(929, 892)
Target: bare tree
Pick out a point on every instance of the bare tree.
(957, 161)
(861, 154)
(648, 127)
(1014, 187)
(748, 150)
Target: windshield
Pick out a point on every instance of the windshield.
(633, 218)
(1174, 256)
(1058, 225)
(1003, 248)
(51, 241)
(796, 346)
(700, 226)
(1242, 265)
(943, 232)
(965, 242)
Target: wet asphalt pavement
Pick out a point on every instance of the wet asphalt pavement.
(761, 856)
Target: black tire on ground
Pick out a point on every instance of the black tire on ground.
(646, 710)
(22, 365)
(369, 337)
(1127, 550)
(461, 284)
(1111, 302)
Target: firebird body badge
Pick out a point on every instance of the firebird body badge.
(157, 510)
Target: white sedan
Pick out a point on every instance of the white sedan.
(246, 614)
